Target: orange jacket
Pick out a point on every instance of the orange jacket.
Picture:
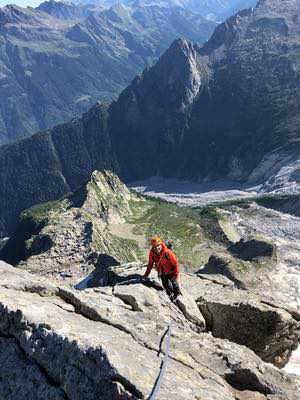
(166, 263)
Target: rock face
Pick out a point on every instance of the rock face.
(262, 253)
(230, 314)
(226, 110)
(237, 115)
(57, 60)
(165, 94)
(86, 327)
(108, 343)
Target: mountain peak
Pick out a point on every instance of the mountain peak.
(13, 14)
(164, 94)
(180, 71)
(61, 9)
(225, 33)
(181, 44)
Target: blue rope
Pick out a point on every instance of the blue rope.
(163, 366)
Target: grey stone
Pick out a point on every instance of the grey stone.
(105, 348)
(273, 333)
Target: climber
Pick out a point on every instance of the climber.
(166, 264)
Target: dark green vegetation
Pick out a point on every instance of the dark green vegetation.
(205, 113)
(48, 165)
(57, 60)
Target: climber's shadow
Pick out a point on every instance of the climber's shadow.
(132, 279)
(135, 279)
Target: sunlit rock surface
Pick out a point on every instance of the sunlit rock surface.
(94, 343)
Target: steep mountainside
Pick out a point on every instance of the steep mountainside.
(47, 165)
(216, 111)
(104, 217)
(57, 60)
(204, 113)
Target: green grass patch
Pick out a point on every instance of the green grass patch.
(41, 211)
(127, 250)
(186, 227)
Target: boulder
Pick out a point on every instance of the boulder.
(246, 318)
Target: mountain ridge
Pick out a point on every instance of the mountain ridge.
(216, 10)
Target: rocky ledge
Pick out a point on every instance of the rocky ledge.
(109, 342)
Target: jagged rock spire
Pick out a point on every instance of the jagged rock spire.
(180, 71)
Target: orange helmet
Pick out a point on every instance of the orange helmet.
(155, 241)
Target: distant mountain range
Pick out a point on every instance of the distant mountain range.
(216, 10)
(227, 110)
(57, 60)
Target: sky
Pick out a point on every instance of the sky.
(22, 3)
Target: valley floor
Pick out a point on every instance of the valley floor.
(191, 193)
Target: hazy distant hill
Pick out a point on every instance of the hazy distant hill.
(57, 60)
(217, 10)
